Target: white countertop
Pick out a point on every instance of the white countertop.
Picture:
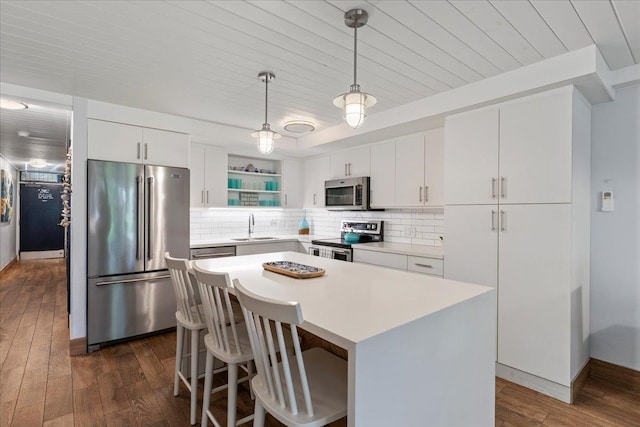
(352, 302)
(403, 249)
(209, 243)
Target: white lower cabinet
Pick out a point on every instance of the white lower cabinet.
(526, 252)
(263, 248)
(417, 264)
(534, 292)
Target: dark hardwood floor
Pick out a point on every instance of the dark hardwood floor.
(131, 383)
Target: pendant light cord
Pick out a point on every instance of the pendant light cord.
(266, 97)
(355, 52)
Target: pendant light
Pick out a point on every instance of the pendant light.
(355, 103)
(266, 136)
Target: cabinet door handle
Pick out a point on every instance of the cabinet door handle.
(146, 150)
(493, 220)
(420, 195)
(502, 192)
(426, 193)
(493, 188)
(349, 169)
(207, 196)
(503, 226)
(417, 264)
(202, 197)
(314, 199)
(138, 155)
(286, 200)
(345, 170)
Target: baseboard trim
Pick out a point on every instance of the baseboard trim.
(9, 264)
(579, 381)
(541, 385)
(78, 346)
(619, 375)
(58, 253)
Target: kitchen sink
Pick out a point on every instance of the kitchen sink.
(247, 239)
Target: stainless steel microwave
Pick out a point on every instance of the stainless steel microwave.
(349, 194)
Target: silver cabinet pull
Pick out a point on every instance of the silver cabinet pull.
(218, 255)
(202, 197)
(417, 264)
(420, 195)
(207, 196)
(493, 220)
(345, 170)
(138, 155)
(117, 282)
(286, 200)
(426, 193)
(146, 150)
(314, 199)
(349, 169)
(502, 181)
(503, 227)
(493, 188)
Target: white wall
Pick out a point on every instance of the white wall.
(615, 236)
(8, 237)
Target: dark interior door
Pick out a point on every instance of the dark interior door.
(40, 208)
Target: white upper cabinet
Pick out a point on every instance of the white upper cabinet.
(134, 144)
(351, 163)
(535, 150)
(520, 152)
(291, 183)
(409, 183)
(383, 175)
(419, 170)
(208, 166)
(471, 158)
(316, 172)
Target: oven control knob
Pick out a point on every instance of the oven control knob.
(373, 226)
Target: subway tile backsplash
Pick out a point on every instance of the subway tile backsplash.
(414, 226)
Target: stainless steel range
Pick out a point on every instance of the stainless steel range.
(351, 231)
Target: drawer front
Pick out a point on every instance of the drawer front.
(382, 259)
(431, 266)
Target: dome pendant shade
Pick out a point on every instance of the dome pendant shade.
(266, 136)
(355, 103)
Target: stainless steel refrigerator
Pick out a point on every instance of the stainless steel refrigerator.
(136, 213)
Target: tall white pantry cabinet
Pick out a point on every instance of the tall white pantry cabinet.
(517, 217)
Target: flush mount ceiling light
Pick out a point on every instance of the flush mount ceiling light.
(299, 126)
(10, 104)
(37, 163)
(355, 103)
(266, 136)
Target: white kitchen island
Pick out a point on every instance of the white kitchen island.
(421, 350)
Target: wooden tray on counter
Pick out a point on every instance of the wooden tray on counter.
(293, 269)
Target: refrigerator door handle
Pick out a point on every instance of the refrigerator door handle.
(117, 282)
(150, 210)
(138, 216)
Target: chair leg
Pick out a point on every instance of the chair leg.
(195, 340)
(232, 390)
(250, 373)
(258, 415)
(206, 397)
(179, 343)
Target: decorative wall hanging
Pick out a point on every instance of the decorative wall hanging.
(7, 196)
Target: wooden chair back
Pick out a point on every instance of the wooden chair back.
(218, 310)
(185, 295)
(259, 312)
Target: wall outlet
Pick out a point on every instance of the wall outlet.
(409, 232)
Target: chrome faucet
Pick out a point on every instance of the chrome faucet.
(252, 223)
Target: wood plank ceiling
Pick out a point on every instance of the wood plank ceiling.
(201, 59)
